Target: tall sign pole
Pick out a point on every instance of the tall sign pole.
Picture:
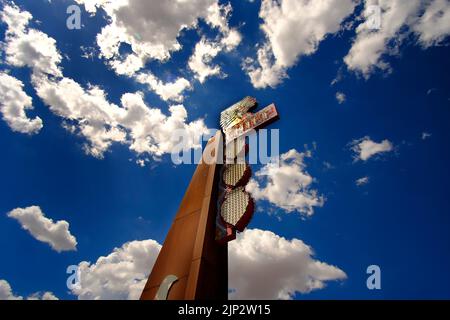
(193, 261)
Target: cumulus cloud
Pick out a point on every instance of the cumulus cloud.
(6, 293)
(13, 104)
(92, 115)
(28, 47)
(87, 111)
(120, 275)
(365, 148)
(145, 130)
(167, 91)
(293, 28)
(362, 181)
(42, 296)
(151, 28)
(434, 24)
(56, 234)
(200, 61)
(287, 184)
(16, 19)
(426, 20)
(218, 17)
(263, 265)
(264, 73)
(206, 50)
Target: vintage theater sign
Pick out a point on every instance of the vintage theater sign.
(235, 205)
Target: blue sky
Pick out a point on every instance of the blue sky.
(398, 220)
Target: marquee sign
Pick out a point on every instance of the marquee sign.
(215, 200)
(251, 122)
(234, 114)
(235, 205)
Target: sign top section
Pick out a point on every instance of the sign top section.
(234, 114)
(252, 122)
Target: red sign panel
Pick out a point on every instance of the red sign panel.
(252, 122)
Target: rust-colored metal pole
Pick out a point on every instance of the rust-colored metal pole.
(190, 253)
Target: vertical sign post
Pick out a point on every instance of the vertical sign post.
(193, 261)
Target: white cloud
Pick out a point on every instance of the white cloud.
(263, 265)
(293, 28)
(144, 129)
(87, 52)
(231, 40)
(141, 162)
(120, 275)
(16, 19)
(362, 181)
(340, 97)
(365, 148)
(287, 185)
(56, 234)
(200, 61)
(167, 91)
(265, 73)
(434, 24)
(218, 16)
(151, 28)
(28, 47)
(428, 21)
(42, 296)
(7, 294)
(206, 50)
(13, 103)
(88, 112)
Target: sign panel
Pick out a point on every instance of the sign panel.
(251, 122)
(236, 206)
(234, 114)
